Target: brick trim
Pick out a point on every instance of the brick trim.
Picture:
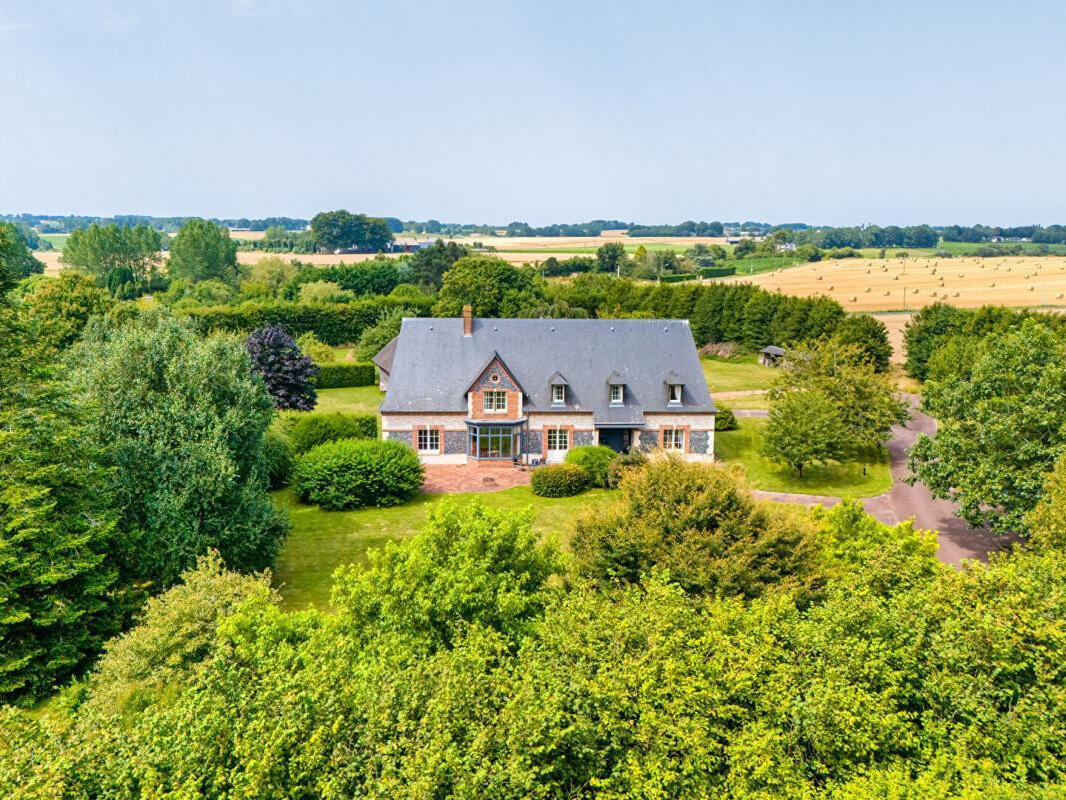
(686, 439)
(440, 438)
(544, 438)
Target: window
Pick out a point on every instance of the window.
(674, 439)
(428, 440)
(558, 395)
(493, 442)
(558, 439)
(616, 394)
(675, 393)
(495, 402)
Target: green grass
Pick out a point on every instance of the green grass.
(737, 374)
(320, 541)
(57, 240)
(356, 400)
(751, 401)
(839, 480)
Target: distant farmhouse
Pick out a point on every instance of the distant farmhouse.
(410, 245)
(464, 390)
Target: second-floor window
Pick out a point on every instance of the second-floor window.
(675, 393)
(617, 394)
(495, 402)
(558, 395)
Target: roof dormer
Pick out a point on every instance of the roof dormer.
(559, 387)
(675, 388)
(616, 387)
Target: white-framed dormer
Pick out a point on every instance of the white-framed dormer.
(559, 388)
(616, 389)
(675, 389)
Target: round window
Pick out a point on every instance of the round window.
(495, 377)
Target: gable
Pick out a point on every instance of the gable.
(495, 375)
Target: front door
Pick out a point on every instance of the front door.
(614, 438)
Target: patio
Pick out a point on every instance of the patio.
(453, 478)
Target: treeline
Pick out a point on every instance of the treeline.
(869, 236)
(1052, 234)
(593, 228)
(50, 223)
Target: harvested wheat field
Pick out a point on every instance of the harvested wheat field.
(862, 284)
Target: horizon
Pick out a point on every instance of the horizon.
(632, 111)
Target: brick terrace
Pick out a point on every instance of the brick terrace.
(452, 478)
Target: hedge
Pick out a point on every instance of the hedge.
(277, 458)
(594, 459)
(319, 427)
(378, 276)
(352, 473)
(681, 277)
(716, 272)
(342, 376)
(332, 323)
(559, 480)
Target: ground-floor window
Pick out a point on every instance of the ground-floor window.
(558, 439)
(428, 440)
(493, 442)
(674, 439)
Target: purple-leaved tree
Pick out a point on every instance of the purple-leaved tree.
(287, 371)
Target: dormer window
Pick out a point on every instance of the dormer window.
(617, 394)
(675, 394)
(558, 395)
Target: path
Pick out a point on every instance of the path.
(957, 539)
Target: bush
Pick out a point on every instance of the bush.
(559, 480)
(622, 463)
(353, 473)
(717, 272)
(342, 376)
(277, 455)
(680, 277)
(594, 459)
(320, 427)
(725, 420)
(288, 373)
(320, 352)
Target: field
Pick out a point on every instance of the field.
(898, 284)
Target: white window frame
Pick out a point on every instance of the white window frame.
(553, 436)
(619, 390)
(675, 393)
(490, 401)
(558, 395)
(673, 438)
(429, 434)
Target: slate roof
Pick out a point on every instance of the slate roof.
(434, 364)
(773, 350)
(385, 355)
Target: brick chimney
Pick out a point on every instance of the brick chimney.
(468, 321)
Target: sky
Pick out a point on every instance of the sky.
(837, 113)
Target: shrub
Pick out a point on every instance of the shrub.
(717, 272)
(380, 334)
(288, 373)
(353, 473)
(342, 376)
(725, 420)
(311, 430)
(277, 455)
(319, 351)
(559, 480)
(594, 459)
(680, 277)
(622, 464)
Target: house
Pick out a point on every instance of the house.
(410, 244)
(771, 356)
(383, 360)
(527, 390)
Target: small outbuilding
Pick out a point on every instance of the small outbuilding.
(771, 356)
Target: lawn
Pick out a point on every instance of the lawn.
(755, 400)
(840, 480)
(320, 541)
(356, 400)
(737, 374)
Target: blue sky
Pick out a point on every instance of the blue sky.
(544, 111)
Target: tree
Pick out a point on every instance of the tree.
(181, 419)
(745, 247)
(105, 250)
(427, 267)
(342, 230)
(288, 373)
(1001, 427)
(611, 256)
(864, 402)
(469, 565)
(16, 260)
(202, 251)
(1046, 523)
(923, 333)
(58, 309)
(58, 595)
(804, 428)
(869, 335)
(273, 272)
(380, 334)
(699, 523)
(491, 286)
